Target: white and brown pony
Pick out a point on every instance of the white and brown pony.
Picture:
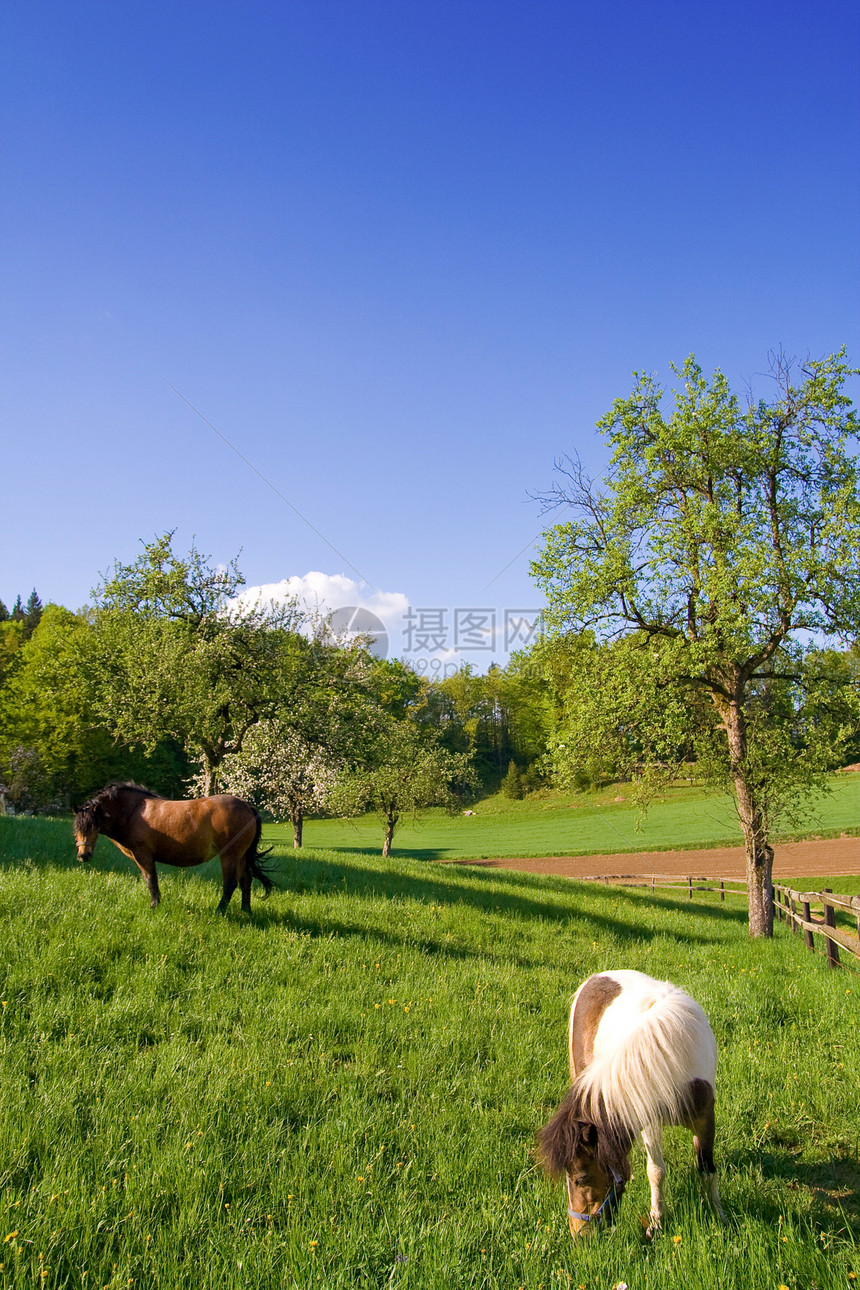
(642, 1055)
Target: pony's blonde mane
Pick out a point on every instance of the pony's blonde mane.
(644, 1080)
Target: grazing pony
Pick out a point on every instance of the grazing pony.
(148, 828)
(642, 1055)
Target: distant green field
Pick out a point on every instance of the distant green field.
(341, 1091)
(556, 824)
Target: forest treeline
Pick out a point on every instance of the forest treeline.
(171, 678)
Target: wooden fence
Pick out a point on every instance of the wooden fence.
(798, 909)
(688, 884)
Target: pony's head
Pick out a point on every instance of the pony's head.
(88, 820)
(594, 1157)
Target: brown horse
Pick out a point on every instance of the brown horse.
(148, 828)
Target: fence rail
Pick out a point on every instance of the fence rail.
(688, 883)
(795, 908)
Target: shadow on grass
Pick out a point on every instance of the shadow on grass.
(833, 1185)
(683, 905)
(49, 844)
(317, 875)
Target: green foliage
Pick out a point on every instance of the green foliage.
(175, 655)
(496, 717)
(512, 784)
(721, 553)
(11, 640)
(55, 749)
(406, 770)
(343, 1091)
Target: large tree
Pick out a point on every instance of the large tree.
(721, 550)
(176, 653)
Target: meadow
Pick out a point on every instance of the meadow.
(342, 1090)
(552, 823)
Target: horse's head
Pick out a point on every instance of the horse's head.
(594, 1160)
(87, 823)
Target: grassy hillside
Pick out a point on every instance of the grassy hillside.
(342, 1090)
(571, 824)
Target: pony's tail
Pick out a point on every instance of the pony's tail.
(254, 858)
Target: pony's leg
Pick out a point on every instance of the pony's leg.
(228, 876)
(652, 1139)
(704, 1131)
(146, 865)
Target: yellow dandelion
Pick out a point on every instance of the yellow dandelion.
(677, 1240)
(313, 1243)
(11, 1236)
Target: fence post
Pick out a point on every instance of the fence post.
(723, 895)
(690, 888)
(807, 918)
(830, 921)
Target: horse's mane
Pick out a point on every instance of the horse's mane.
(570, 1133)
(112, 796)
(645, 1078)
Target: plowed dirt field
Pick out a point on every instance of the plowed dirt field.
(824, 858)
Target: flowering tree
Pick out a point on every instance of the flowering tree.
(280, 772)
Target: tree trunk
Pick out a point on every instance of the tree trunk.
(759, 857)
(759, 852)
(298, 818)
(209, 780)
(390, 824)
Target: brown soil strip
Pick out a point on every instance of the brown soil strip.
(807, 859)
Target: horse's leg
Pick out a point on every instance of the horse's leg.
(656, 1170)
(246, 878)
(146, 865)
(228, 878)
(704, 1131)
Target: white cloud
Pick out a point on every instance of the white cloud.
(320, 593)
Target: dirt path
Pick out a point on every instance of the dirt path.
(824, 858)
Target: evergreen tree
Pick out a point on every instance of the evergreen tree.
(32, 613)
(4, 613)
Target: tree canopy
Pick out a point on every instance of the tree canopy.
(174, 653)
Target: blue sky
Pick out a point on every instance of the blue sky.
(401, 254)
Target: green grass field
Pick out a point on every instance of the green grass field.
(552, 824)
(342, 1090)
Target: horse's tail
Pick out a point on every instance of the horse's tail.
(254, 856)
